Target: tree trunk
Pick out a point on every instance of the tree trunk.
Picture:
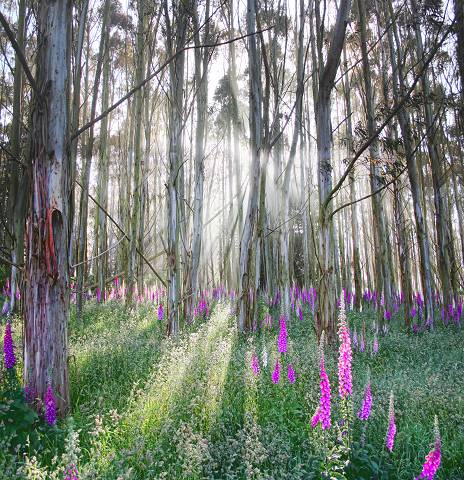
(19, 183)
(138, 182)
(47, 267)
(413, 173)
(175, 149)
(84, 201)
(103, 179)
(383, 281)
(326, 295)
(201, 83)
(247, 255)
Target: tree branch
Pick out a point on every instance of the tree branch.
(19, 53)
(155, 73)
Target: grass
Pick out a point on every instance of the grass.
(150, 407)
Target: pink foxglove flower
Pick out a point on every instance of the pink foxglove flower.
(345, 355)
(391, 432)
(322, 413)
(375, 345)
(433, 458)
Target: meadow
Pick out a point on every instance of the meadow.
(205, 404)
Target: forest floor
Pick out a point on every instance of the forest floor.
(151, 407)
(192, 408)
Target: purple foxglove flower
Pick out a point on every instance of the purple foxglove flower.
(391, 432)
(291, 373)
(255, 364)
(388, 315)
(375, 345)
(366, 406)
(50, 406)
(282, 339)
(71, 473)
(8, 348)
(276, 373)
(355, 338)
(160, 312)
(362, 344)
(5, 308)
(345, 355)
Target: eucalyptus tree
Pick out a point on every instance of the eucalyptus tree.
(400, 88)
(46, 305)
(175, 41)
(383, 281)
(247, 289)
(201, 82)
(327, 72)
(136, 206)
(85, 178)
(18, 179)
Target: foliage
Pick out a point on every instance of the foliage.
(150, 407)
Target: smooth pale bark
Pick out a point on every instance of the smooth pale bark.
(284, 246)
(236, 125)
(401, 232)
(76, 106)
(201, 83)
(102, 182)
(47, 268)
(441, 214)
(383, 281)
(175, 153)
(354, 209)
(19, 182)
(459, 26)
(326, 291)
(84, 200)
(247, 293)
(413, 170)
(138, 154)
(367, 248)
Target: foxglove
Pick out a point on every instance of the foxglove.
(391, 432)
(50, 406)
(291, 374)
(433, 458)
(255, 364)
(345, 355)
(276, 373)
(322, 413)
(8, 347)
(366, 406)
